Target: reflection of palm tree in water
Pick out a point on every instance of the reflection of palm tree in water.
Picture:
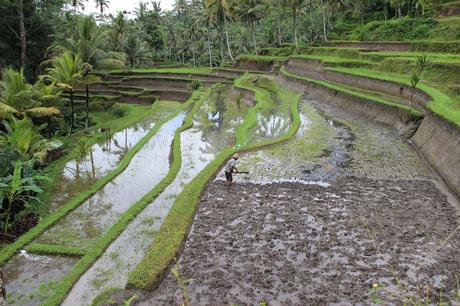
(212, 135)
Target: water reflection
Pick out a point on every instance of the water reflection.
(94, 216)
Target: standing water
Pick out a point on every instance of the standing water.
(213, 130)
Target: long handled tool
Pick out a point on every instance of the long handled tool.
(241, 172)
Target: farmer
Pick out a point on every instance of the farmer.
(230, 167)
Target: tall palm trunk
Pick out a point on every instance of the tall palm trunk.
(294, 15)
(71, 111)
(221, 46)
(209, 49)
(279, 30)
(324, 21)
(87, 107)
(22, 32)
(251, 26)
(228, 40)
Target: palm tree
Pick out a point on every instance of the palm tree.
(67, 72)
(250, 11)
(21, 98)
(89, 41)
(137, 50)
(220, 10)
(78, 3)
(294, 5)
(102, 4)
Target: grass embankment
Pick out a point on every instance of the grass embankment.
(52, 249)
(173, 231)
(197, 70)
(98, 248)
(359, 94)
(52, 218)
(440, 104)
(262, 58)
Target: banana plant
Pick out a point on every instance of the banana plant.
(16, 189)
(23, 137)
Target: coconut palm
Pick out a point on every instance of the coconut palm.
(67, 72)
(21, 98)
(219, 11)
(89, 41)
(294, 5)
(137, 50)
(102, 4)
(250, 11)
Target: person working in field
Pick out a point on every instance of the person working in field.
(230, 167)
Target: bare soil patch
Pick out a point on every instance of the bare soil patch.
(299, 244)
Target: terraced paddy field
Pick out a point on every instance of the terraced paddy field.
(351, 196)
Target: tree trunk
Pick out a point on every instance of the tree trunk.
(228, 41)
(294, 14)
(209, 49)
(222, 47)
(251, 26)
(22, 32)
(279, 31)
(193, 55)
(71, 111)
(87, 107)
(324, 22)
(7, 216)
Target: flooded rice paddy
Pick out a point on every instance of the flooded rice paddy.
(30, 278)
(345, 213)
(92, 218)
(213, 130)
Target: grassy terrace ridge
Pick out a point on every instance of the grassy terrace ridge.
(52, 249)
(198, 70)
(174, 229)
(338, 87)
(98, 248)
(262, 97)
(442, 46)
(9, 250)
(262, 58)
(440, 104)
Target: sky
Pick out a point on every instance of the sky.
(121, 5)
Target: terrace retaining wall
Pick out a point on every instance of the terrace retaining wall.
(395, 117)
(439, 142)
(314, 69)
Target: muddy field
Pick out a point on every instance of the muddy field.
(346, 213)
(293, 243)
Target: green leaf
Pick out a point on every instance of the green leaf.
(16, 182)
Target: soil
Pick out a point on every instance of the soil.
(293, 243)
(376, 228)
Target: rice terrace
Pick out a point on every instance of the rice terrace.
(229, 152)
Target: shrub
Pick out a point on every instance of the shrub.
(394, 30)
(120, 110)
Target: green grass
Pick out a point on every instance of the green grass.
(174, 229)
(440, 104)
(197, 70)
(49, 220)
(98, 248)
(42, 248)
(373, 99)
(262, 58)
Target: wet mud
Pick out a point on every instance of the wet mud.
(30, 278)
(345, 213)
(299, 244)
